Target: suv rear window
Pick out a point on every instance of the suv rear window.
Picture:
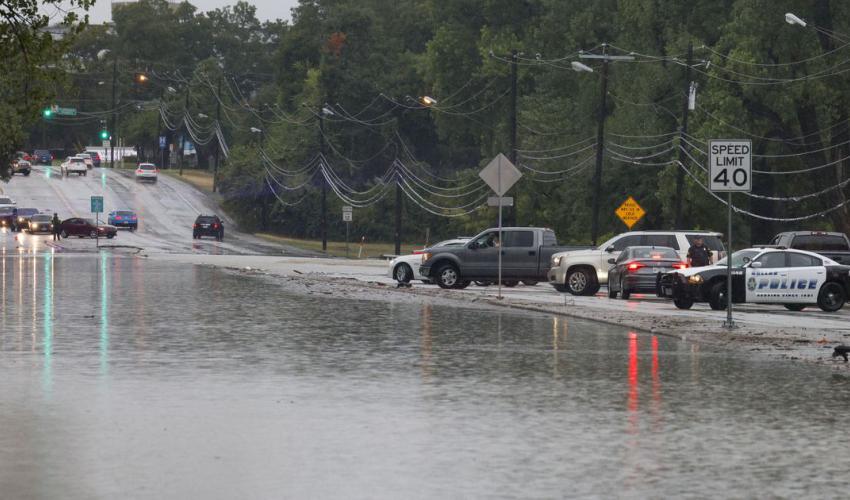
(819, 242)
(661, 240)
(205, 219)
(711, 242)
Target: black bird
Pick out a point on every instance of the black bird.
(842, 351)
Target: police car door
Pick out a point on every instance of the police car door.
(767, 278)
(806, 274)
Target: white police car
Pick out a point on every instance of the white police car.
(792, 278)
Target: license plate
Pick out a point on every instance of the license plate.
(667, 291)
(205, 225)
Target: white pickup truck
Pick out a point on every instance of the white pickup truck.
(582, 272)
(74, 165)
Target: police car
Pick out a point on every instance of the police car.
(792, 278)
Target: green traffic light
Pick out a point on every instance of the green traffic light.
(47, 112)
(104, 134)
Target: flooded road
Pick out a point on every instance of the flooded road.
(128, 378)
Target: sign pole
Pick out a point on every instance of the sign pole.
(729, 322)
(499, 249)
(347, 224)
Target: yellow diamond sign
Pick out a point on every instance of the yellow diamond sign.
(630, 212)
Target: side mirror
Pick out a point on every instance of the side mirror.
(610, 249)
(611, 261)
(756, 265)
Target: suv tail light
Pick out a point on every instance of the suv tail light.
(680, 265)
(195, 226)
(215, 226)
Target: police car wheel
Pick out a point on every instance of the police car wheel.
(831, 297)
(717, 296)
(795, 307)
(683, 303)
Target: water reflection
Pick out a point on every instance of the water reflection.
(47, 306)
(104, 315)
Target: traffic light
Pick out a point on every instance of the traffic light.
(104, 134)
(47, 113)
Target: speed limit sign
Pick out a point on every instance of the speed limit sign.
(730, 165)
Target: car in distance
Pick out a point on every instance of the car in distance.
(582, 272)
(22, 167)
(22, 220)
(638, 269)
(6, 202)
(74, 165)
(80, 227)
(792, 278)
(208, 225)
(405, 268)
(124, 218)
(42, 157)
(40, 223)
(87, 159)
(146, 172)
(7, 217)
(95, 158)
(23, 155)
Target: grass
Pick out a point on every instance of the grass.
(337, 248)
(201, 179)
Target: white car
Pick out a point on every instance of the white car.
(146, 172)
(5, 202)
(581, 272)
(793, 278)
(87, 159)
(74, 165)
(405, 268)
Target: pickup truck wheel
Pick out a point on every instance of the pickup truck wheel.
(717, 296)
(403, 273)
(447, 276)
(831, 296)
(580, 282)
(612, 294)
(795, 307)
(461, 285)
(529, 282)
(683, 303)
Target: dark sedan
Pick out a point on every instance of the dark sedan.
(637, 270)
(8, 217)
(40, 223)
(82, 228)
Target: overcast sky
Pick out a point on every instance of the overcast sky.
(266, 9)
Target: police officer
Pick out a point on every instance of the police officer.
(56, 222)
(699, 255)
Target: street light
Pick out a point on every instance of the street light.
(256, 130)
(427, 101)
(579, 67)
(201, 115)
(792, 20)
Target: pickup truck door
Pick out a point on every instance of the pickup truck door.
(480, 257)
(520, 254)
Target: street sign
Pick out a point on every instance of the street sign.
(630, 212)
(106, 144)
(64, 111)
(507, 201)
(162, 142)
(500, 174)
(97, 204)
(347, 217)
(730, 165)
(347, 208)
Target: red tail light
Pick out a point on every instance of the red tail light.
(117, 217)
(194, 226)
(634, 266)
(215, 226)
(138, 171)
(680, 265)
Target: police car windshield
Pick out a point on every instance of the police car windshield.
(739, 258)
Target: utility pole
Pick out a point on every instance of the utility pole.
(159, 127)
(680, 173)
(183, 136)
(324, 179)
(217, 124)
(113, 133)
(600, 149)
(399, 199)
(512, 214)
(600, 133)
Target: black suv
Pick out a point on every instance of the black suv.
(208, 225)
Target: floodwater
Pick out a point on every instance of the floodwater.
(127, 378)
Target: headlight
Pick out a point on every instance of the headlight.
(426, 256)
(20, 219)
(556, 260)
(695, 279)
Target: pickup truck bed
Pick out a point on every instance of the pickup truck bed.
(835, 246)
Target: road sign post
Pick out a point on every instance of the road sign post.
(729, 170)
(347, 217)
(97, 208)
(500, 174)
